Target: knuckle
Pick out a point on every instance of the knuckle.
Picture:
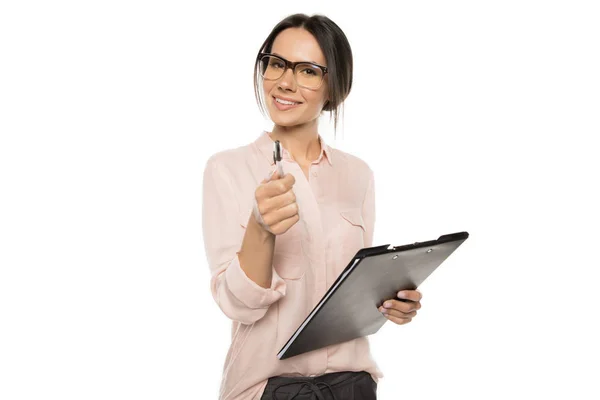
(267, 220)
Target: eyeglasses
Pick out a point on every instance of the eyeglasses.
(308, 75)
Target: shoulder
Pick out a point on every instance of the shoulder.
(229, 159)
(351, 162)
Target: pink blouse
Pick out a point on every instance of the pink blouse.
(337, 217)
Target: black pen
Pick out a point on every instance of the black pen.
(277, 157)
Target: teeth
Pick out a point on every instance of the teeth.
(285, 101)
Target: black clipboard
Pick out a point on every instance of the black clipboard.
(349, 309)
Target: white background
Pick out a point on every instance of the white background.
(476, 116)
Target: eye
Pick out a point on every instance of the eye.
(309, 71)
(276, 64)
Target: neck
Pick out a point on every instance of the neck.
(301, 141)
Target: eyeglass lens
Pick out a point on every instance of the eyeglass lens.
(307, 75)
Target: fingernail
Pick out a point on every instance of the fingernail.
(269, 175)
(401, 295)
(387, 304)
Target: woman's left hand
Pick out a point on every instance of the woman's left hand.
(402, 312)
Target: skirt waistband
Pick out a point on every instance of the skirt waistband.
(317, 385)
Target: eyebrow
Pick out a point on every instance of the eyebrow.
(310, 61)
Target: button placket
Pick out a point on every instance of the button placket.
(314, 184)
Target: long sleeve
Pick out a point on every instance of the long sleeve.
(368, 211)
(240, 298)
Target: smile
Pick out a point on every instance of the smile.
(283, 105)
(280, 101)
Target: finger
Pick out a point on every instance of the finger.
(412, 295)
(399, 314)
(270, 189)
(399, 305)
(398, 321)
(275, 203)
(278, 186)
(288, 181)
(273, 174)
(280, 214)
(282, 226)
(286, 202)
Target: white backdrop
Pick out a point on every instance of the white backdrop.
(476, 116)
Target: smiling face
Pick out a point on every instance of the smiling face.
(295, 44)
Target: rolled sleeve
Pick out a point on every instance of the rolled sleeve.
(240, 298)
(249, 292)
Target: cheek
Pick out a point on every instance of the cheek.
(267, 87)
(314, 100)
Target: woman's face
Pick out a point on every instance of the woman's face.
(295, 44)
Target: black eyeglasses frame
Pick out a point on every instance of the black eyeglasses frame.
(292, 66)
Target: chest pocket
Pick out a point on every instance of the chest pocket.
(350, 233)
(289, 259)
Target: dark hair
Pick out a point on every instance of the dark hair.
(337, 52)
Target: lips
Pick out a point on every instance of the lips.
(285, 105)
(282, 100)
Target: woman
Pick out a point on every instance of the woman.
(275, 245)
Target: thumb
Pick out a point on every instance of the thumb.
(271, 176)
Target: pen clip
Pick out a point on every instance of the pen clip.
(277, 152)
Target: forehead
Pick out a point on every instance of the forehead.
(297, 44)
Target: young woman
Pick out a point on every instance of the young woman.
(276, 244)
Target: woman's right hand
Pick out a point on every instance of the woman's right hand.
(276, 204)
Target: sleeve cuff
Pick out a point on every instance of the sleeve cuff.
(249, 292)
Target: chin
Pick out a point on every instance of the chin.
(286, 122)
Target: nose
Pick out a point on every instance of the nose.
(287, 80)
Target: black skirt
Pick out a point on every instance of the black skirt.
(334, 386)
